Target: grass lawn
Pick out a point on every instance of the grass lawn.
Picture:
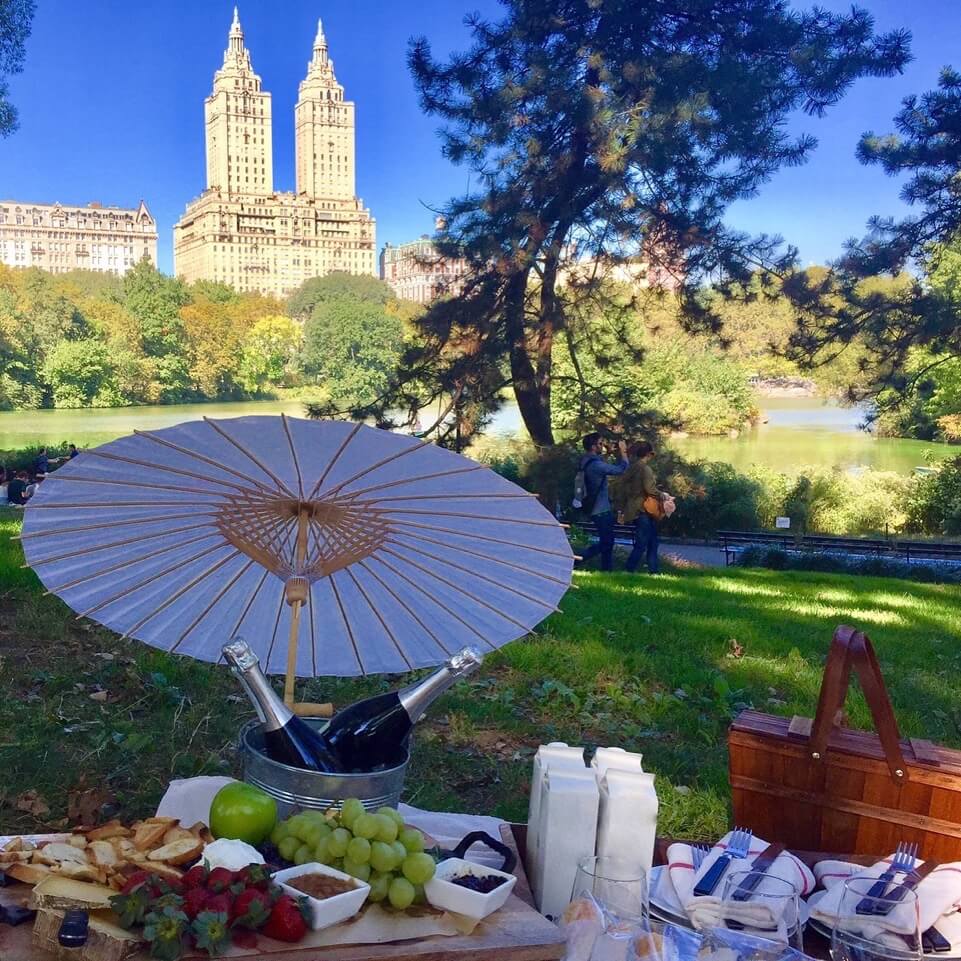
(658, 665)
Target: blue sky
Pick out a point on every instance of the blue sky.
(112, 98)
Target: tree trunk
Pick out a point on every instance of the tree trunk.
(532, 391)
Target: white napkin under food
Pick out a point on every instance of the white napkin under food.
(704, 911)
(189, 798)
(939, 899)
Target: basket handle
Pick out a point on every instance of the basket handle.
(852, 649)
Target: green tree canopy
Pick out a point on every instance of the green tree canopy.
(612, 134)
(351, 347)
(16, 17)
(270, 353)
(335, 286)
(909, 331)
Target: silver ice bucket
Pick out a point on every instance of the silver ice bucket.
(295, 789)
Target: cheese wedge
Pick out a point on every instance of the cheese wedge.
(59, 892)
(106, 940)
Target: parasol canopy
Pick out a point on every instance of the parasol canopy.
(398, 552)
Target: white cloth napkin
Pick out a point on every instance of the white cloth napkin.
(189, 798)
(939, 899)
(704, 911)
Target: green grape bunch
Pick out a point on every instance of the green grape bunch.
(376, 848)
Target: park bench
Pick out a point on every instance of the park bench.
(734, 543)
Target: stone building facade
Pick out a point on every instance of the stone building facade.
(240, 231)
(416, 271)
(58, 237)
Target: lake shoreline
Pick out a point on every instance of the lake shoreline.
(793, 433)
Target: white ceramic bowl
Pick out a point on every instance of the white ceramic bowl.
(441, 893)
(325, 912)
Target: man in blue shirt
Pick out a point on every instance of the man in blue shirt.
(596, 471)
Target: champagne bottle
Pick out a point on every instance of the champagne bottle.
(287, 738)
(374, 732)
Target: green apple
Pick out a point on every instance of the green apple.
(243, 812)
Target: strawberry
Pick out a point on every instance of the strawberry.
(195, 901)
(135, 880)
(219, 903)
(196, 877)
(251, 909)
(165, 930)
(132, 907)
(286, 921)
(219, 880)
(255, 876)
(210, 932)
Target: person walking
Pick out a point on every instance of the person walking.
(596, 472)
(640, 501)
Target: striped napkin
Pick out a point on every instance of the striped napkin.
(704, 911)
(939, 901)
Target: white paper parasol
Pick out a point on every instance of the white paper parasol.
(400, 552)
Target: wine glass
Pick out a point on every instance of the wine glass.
(762, 906)
(862, 933)
(617, 885)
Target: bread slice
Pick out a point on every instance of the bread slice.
(12, 857)
(178, 834)
(181, 851)
(28, 873)
(57, 852)
(164, 870)
(148, 836)
(112, 829)
(81, 872)
(123, 847)
(17, 845)
(102, 853)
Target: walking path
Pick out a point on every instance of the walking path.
(703, 555)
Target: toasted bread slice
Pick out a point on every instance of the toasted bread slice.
(148, 836)
(80, 872)
(181, 851)
(77, 841)
(102, 854)
(178, 834)
(164, 870)
(123, 847)
(13, 857)
(57, 853)
(165, 821)
(112, 829)
(28, 873)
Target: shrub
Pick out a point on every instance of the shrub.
(826, 562)
(936, 505)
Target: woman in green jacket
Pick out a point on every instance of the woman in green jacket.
(636, 485)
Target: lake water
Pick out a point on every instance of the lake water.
(799, 431)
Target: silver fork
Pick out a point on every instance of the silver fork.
(737, 849)
(901, 863)
(699, 852)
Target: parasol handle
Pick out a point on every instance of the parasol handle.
(309, 709)
(292, 653)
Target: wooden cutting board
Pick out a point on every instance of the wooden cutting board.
(515, 933)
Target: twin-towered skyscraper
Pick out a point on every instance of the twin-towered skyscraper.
(240, 231)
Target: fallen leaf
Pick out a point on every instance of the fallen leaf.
(736, 649)
(100, 696)
(32, 803)
(84, 804)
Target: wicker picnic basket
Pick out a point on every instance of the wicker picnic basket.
(818, 786)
